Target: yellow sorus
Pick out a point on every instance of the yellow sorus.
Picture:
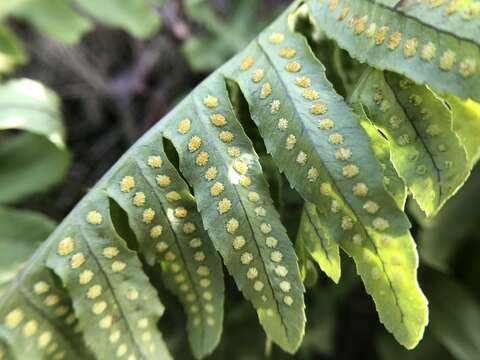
(194, 143)
(310, 94)
(285, 286)
(106, 323)
(202, 158)
(114, 337)
(371, 30)
(318, 109)
(325, 188)
(287, 53)
(350, 171)
(139, 197)
(380, 35)
(218, 119)
(303, 81)
(253, 196)
(184, 126)
(357, 239)
(371, 207)
(344, 13)
(265, 228)
(326, 124)
(281, 271)
(99, 307)
(343, 154)
(127, 184)
(293, 67)
(271, 242)
(30, 328)
(334, 207)
(288, 300)
(94, 217)
(224, 206)
(452, 7)
(162, 246)
(94, 291)
(245, 181)
(77, 260)
(51, 300)
(301, 158)
(361, 24)
(180, 212)
(238, 243)
(189, 228)
(312, 174)
(154, 161)
(276, 38)
(410, 47)
(41, 287)
(332, 5)
(65, 246)
(336, 139)
(260, 211)
(118, 266)
(258, 75)
(468, 67)
(380, 224)
(347, 223)
(132, 294)
(246, 63)
(195, 243)
(210, 101)
(290, 142)
(85, 277)
(232, 225)
(275, 106)
(203, 270)
(211, 173)
(142, 323)
(240, 167)
(226, 136)
(394, 40)
(44, 339)
(252, 273)
(246, 258)
(172, 196)
(428, 52)
(199, 256)
(447, 60)
(148, 215)
(258, 286)
(14, 318)
(276, 256)
(216, 189)
(266, 90)
(234, 151)
(110, 252)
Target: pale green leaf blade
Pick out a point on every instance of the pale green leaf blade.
(29, 164)
(55, 18)
(12, 53)
(21, 231)
(466, 124)
(237, 210)
(163, 215)
(138, 17)
(313, 234)
(116, 305)
(325, 154)
(371, 32)
(424, 149)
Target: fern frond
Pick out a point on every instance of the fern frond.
(425, 150)
(325, 154)
(163, 215)
(432, 44)
(116, 306)
(219, 162)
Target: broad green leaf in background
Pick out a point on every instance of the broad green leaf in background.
(55, 18)
(424, 149)
(11, 50)
(21, 232)
(138, 17)
(438, 46)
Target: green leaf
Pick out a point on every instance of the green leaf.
(424, 149)
(326, 156)
(12, 53)
(116, 305)
(178, 243)
(28, 105)
(466, 124)
(313, 234)
(434, 46)
(21, 232)
(135, 16)
(30, 164)
(456, 327)
(237, 211)
(55, 18)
